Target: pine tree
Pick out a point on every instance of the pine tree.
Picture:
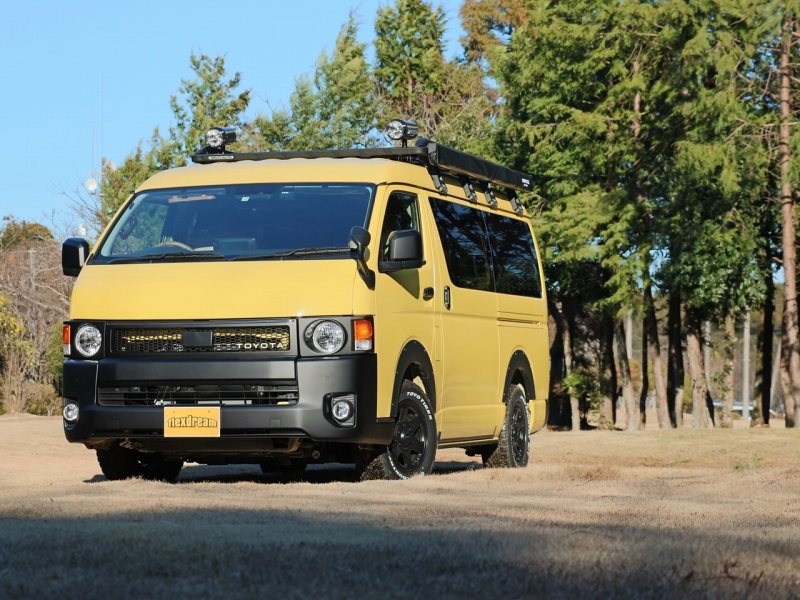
(209, 100)
(449, 100)
(335, 110)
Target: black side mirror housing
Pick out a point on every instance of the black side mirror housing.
(405, 251)
(74, 253)
(360, 239)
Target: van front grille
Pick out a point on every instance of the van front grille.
(224, 339)
(199, 394)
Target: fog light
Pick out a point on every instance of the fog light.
(343, 409)
(71, 411)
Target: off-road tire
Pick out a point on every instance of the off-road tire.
(514, 445)
(119, 463)
(413, 449)
(294, 467)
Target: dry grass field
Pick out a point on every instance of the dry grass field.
(675, 514)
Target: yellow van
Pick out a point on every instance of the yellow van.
(290, 308)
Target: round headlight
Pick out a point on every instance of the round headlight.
(88, 340)
(327, 337)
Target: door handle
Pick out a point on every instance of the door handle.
(427, 293)
(447, 297)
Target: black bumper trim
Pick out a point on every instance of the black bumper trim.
(169, 370)
(316, 378)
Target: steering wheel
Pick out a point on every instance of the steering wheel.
(174, 244)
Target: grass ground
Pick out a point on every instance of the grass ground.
(673, 514)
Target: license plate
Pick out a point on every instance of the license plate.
(191, 421)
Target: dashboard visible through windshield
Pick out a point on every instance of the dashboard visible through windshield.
(238, 222)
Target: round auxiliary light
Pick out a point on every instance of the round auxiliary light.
(342, 410)
(214, 138)
(327, 337)
(71, 412)
(88, 340)
(397, 129)
(217, 137)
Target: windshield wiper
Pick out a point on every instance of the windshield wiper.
(169, 256)
(298, 252)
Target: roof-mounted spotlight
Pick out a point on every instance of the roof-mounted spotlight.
(217, 137)
(397, 129)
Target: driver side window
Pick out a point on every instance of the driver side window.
(402, 212)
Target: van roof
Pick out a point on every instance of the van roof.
(321, 167)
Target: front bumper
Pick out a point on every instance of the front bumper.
(243, 428)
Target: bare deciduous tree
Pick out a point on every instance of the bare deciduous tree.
(38, 298)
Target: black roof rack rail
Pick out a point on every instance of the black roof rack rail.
(440, 160)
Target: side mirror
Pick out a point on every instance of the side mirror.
(74, 253)
(405, 251)
(360, 239)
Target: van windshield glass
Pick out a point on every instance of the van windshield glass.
(239, 222)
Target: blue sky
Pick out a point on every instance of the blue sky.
(67, 67)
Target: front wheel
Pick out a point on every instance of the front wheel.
(413, 448)
(514, 446)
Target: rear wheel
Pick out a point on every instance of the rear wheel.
(119, 463)
(413, 448)
(514, 446)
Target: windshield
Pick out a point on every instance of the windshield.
(238, 222)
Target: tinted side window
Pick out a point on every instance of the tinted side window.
(463, 236)
(516, 270)
(401, 213)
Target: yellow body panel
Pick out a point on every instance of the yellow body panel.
(214, 290)
(469, 398)
(469, 346)
(401, 313)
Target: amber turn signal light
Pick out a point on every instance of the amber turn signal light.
(65, 339)
(362, 334)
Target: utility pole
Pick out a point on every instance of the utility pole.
(746, 366)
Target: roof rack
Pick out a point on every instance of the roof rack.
(438, 159)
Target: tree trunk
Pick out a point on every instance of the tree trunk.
(694, 351)
(790, 358)
(675, 374)
(645, 380)
(628, 395)
(761, 404)
(746, 365)
(726, 384)
(566, 337)
(655, 354)
(608, 376)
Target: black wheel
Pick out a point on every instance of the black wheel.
(293, 467)
(514, 445)
(413, 448)
(119, 463)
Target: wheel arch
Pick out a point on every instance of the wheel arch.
(519, 371)
(414, 362)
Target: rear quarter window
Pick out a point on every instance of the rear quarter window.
(516, 268)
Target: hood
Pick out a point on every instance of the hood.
(214, 290)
